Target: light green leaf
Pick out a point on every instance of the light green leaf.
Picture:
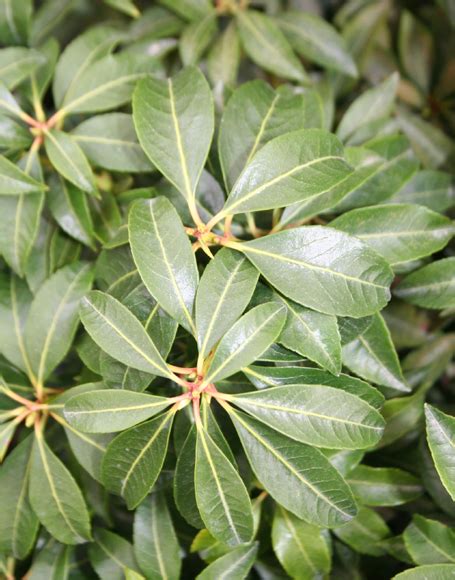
(52, 562)
(250, 336)
(352, 328)
(13, 135)
(18, 524)
(109, 141)
(322, 269)
(223, 294)
(8, 104)
(221, 496)
(441, 440)
(55, 497)
(402, 415)
(300, 547)
(429, 541)
(174, 121)
(119, 333)
(400, 233)
(433, 571)
(68, 159)
(289, 169)
(373, 357)
(365, 532)
(297, 476)
(224, 58)
(111, 555)
(15, 18)
(430, 188)
(155, 543)
(314, 38)
(53, 318)
(267, 46)
(16, 64)
(433, 286)
(125, 6)
(189, 9)
(315, 414)
(171, 277)
(196, 38)
(14, 181)
(383, 486)
(111, 410)
(135, 458)
(235, 564)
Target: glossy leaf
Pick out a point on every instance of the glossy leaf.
(365, 532)
(440, 436)
(439, 571)
(111, 555)
(383, 486)
(238, 562)
(429, 541)
(14, 181)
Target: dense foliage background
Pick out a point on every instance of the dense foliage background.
(249, 207)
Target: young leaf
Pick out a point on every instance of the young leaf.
(400, 233)
(55, 497)
(155, 543)
(315, 414)
(69, 160)
(383, 486)
(297, 476)
(300, 547)
(18, 524)
(441, 440)
(174, 121)
(170, 277)
(135, 458)
(315, 39)
(111, 410)
(53, 318)
(109, 141)
(267, 46)
(237, 563)
(433, 286)
(111, 555)
(14, 181)
(223, 294)
(373, 357)
(345, 277)
(118, 332)
(221, 495)
(289, 169)
(429, 541)
(250, 336)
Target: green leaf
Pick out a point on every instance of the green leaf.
(107, 411)
(68, 159)
(400, 233)
(15, 16)
(373, 357)
(53, 318)
(262, 377)
(372, 105)
(52, 562)
(18, 524)
(109, 141)
(315, 39)
(108, 83)
(433, 286)
(224, 58)
(118, 332)
(14, 181)
(289, 169)
(135, 458)
(174, 121)
(332, 272)
(221, 496)
(250, 336)
(189, 9)
(223, 294)
(297, 476)
(364, 533)
(55, 497)
(300, 547)
(8, 104)
(16, 64)
(441, 440)
(254, 115)
(352, 328)
(402, 415)
(429, 541)
(196, 38)
(383, 486)
(437, 571)
(236, 563)
(13, 135)
(77, 57)
(429, 188)
(267, 46)
(125, 6)
(111, 555)
(170, 277)
(315, 414)
(155, 543)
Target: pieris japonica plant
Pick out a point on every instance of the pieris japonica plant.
(227, 292)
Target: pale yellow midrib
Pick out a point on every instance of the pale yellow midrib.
(297, 539)
(163, 403)
(156, 543)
